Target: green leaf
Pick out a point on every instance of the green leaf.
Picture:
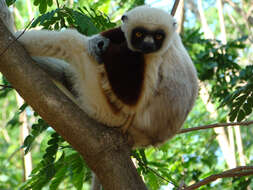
(43, 6)
(51, 150)
(58, 178)
(28, 143)
(52, 141)
(85, 24)
(50, 171)
(56, 26)
(14, 120)
(10, 2)
(247, 108)
(22, 108)
(49, 3)
(233, 114)
(250, 100)
(28, 140)
(77, 169)
(241, 115)
(143, 156)
(36, 2)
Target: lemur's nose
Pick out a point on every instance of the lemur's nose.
(100, 45)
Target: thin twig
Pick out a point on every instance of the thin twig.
(235, 172)
(58, 5)
(245, 123)
(155, 172)
(16, 38)
(13, 154)
(5, 86)
(174, 9)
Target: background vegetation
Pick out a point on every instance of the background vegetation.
(218, 36)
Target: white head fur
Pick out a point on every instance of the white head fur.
(149, 18)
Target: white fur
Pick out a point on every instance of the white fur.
(170, 100)
(170, 82)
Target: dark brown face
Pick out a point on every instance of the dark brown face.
(147, 41)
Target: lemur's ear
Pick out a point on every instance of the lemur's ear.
(124, 18)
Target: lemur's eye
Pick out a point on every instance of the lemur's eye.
(138, 34)
(158, 36)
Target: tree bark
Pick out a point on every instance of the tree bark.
(104, 149)
(222, 22)
(239, 145)
(181, 16)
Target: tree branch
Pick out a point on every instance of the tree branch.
(15, 39)
(174, 9)
(104, 149)
(245, 123)
(235, 172)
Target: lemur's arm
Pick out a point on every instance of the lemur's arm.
(58, 70)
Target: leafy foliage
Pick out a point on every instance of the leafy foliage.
(14, 121)
(5, 87)
(37, 129)
(186, 158)
(57, 167)
(217, 63)
(86, 21)
(10, 2)
(44, 171)
(43, 4)
(240, 101)
(155, 173)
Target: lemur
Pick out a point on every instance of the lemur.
(138, 77)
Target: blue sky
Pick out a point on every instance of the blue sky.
(163, 4)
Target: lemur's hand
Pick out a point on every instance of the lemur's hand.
(97, 46)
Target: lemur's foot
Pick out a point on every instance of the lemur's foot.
(97, 46)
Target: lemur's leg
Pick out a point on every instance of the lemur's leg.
(58, 70)
(68, 45)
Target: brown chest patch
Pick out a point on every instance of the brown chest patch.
(125, 71)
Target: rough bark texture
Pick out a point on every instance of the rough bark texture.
(104, 149)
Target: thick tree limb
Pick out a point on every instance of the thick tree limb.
(105, 150)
